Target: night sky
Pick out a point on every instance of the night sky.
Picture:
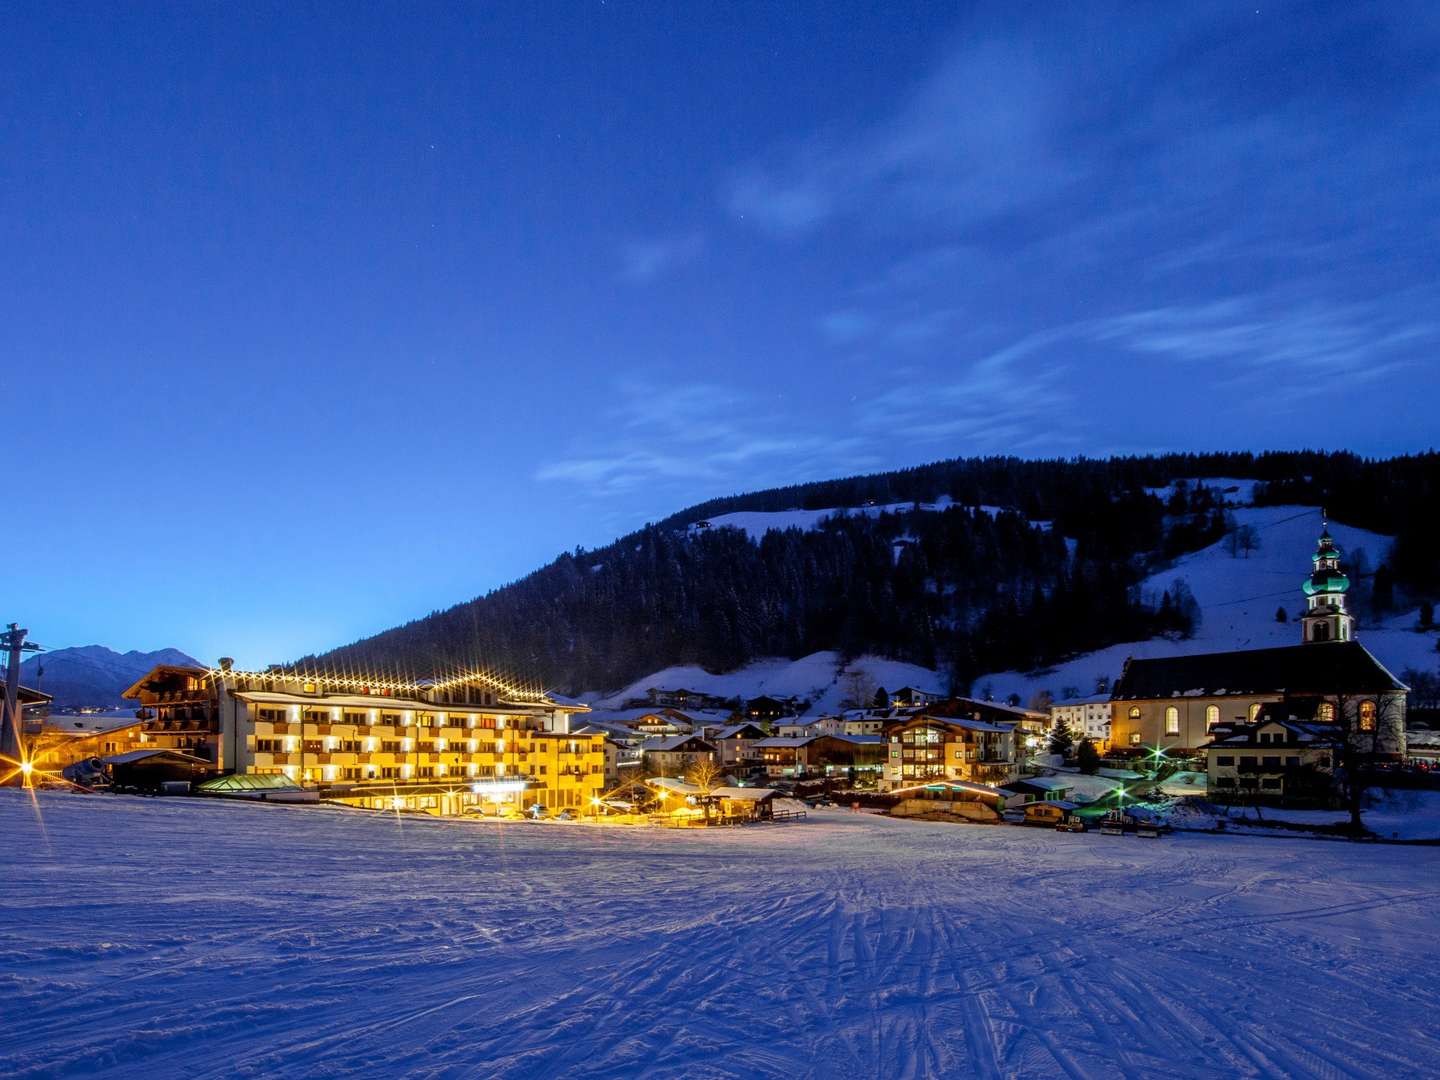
(317, 318)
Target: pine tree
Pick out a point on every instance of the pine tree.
(1062, 742)
(1087, 757)
(882, 699)
(1281, 615)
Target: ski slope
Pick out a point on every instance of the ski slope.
(178, 937)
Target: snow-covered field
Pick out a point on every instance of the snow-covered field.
(177, 937)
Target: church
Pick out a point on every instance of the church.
(1174, 704)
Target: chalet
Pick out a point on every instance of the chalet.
(736, 744)
(1177, 703)
(910, 695)
(1272, 760)
(855, 722)
(805, 756)
(928, 745)
(675, 755)
(765, 708)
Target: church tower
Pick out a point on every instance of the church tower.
(1325, 617)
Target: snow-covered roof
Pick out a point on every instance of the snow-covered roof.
(679, 787)
(669, 742)
(786, 740)
(744, 794)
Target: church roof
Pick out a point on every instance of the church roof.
(1335, 667)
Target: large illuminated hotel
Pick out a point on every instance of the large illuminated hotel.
(448, 745)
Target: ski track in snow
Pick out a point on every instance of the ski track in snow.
(179, 937)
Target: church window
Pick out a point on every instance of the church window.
(1134, 712)
(1325, 713)
(1212, 716)
(1367, 716)
(1172, 720)
(1254, 712)
(1134, 738)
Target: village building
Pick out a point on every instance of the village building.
(687, 699)
(461, 743)
(912, 696)
(765, 708)
(923, 747)
(54, 742)
(1272, 760)
(1089, 719)
(736, 745)
(676, 755)
(817, 756)
(799, 727)
(855, 722)
(1176, 704)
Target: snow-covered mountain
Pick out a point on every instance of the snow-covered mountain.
(92, 675)
(1238, 594)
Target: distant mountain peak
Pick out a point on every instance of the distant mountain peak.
(94, 675)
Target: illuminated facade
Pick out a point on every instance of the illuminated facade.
(464, 744)
(948, 748)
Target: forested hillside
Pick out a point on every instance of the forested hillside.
(1051, 573)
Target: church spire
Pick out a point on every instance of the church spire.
(1325, 617)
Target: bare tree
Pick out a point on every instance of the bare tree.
(859, 688)
(706, 775)
(1243, 539)
(1361, 720)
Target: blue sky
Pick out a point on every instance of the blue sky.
(319, 318)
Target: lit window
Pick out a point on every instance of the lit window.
(1367, 716)
(1212, 716)
(1134, 712)
(1172, 720)
(1135, 738)
(1325, 713)
(1254, 712)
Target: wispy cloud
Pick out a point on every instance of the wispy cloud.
(644, 260)
(1294, 342)
(680, 443)
(971, 140)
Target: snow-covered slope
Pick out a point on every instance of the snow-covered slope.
(819, 677)
(1237, 594)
